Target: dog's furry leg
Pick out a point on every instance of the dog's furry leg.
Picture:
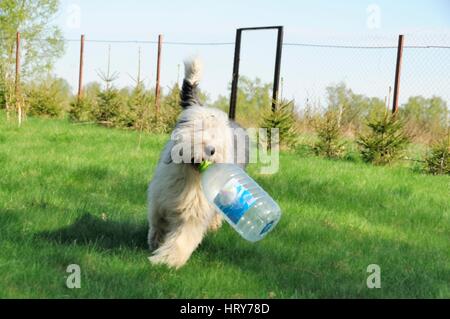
(216, 222)
(155, 238)
(158, 226)
(179, 244)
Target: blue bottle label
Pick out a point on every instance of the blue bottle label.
(267, 228)
(234, 200)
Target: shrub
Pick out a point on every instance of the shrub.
(329, 134)
(3, 93)
(110, 101)
(438, 159)
(109, 107)
(6, 85)
(427, 117)
(282, 118)
(170, 110)
(81, 109)
(385, 141)
(137, 114)
(7, 96)
(351, 107)
(48, 98)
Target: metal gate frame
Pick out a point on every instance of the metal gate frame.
(237, 58)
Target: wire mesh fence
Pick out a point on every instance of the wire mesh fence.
(128, 58)
(426, 67)
(365, 65)
(369, 68)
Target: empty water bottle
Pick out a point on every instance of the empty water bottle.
(244, 204)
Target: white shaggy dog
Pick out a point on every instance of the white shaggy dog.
(179, 214)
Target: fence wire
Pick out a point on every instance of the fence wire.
(366, 65)
(368, 69)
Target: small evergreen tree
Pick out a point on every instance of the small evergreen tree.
(170, 109)
(135, 102)
(385, 141)
(109, 100)
(138, 115)
(438, 159)
(329, 134)
(81, 109)
(282, 118)
(109, 107)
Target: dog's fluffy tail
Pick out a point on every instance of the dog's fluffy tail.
(193, 70)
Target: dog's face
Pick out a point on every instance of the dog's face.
(202, 133)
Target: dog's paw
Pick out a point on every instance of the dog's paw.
(216, 222)
(168, 260)
(156, 260)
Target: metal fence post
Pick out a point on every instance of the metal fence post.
(276, 80)
(80, 77)
(234, 83)
(158, 75)
(397, 74)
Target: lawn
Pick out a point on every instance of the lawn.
(76, 194)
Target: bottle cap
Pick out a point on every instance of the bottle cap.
(204, 166)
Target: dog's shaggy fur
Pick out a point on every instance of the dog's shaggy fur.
(179, 214)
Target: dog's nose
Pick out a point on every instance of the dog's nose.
(210, 150)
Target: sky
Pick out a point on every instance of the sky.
(306, 71)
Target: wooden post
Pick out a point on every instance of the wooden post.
(18, 99)
(397, 74)
(17, 83)
(80, 77)
(158, 76)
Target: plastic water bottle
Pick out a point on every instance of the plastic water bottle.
(244, 204)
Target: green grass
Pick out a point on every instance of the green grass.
(76, 194)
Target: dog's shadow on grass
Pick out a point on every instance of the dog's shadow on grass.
(106, 234)
(92, 231)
